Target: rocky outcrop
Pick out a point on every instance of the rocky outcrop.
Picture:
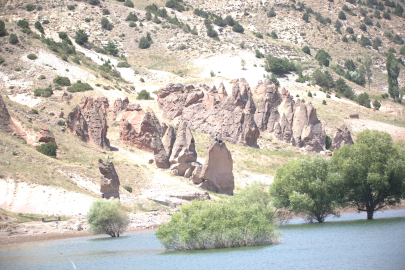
(45, 135)
(176, 197)
(6, 123)
(88, 121)
(211, 111)
(289, 121)
(138, 127)
(110, 183)
(159, 152)
(216, 173)
(65, 96)
(354, 116)
(119, 106)
(341, 137)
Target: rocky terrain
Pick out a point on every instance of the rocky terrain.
(215, 121)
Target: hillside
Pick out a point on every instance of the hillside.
(180, 50)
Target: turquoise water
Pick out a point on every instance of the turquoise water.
(363, 244)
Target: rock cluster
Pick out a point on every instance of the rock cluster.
(6, 123)
(341, 137)
(176, 197)
(119, 106)
(45, 135)
(110, 183)
(138, 127)
(289, 121)
(216, 173)
(88, 121)
(211, 111)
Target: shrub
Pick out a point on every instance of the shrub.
(305, 17)
(342, 15)
(306, 50)
(323, 57)
(368, 21)
(81, 37)
(30, 7)
(327, 96)
(323, 102)
(132, 24)
(23, 24)
(349, 30)
(363, 100)
(48, 149)
(106, 11)
(354, 38)
(32, 56)
(34, 111)
(309, 94)
(129, 3)
(47, 92)
(386, 16)
(111, 48)
(106, 24)
(143, 43)
(238, 28)
(363, 27)
(378, 24)
(258, 35)
(79, 87)
(123, 65)
(365, 41)
(87, 20)
(13, 39)
(128, 188)
(131, 17)
(42, 77)
(3, 31)
(212, 73)
(271, 13)
(342, 88)
(144, 95)
(376, 104)
(278, 65)
(258, 54)
(397, 39)
(376, 43)
(62, 81)
(107, 217)
(71, 7)
(2, 60)
(323, 79)
(94, 2)
(344, 39)
(17, 69)
(402, 50)
(229, 20)
(273, 35)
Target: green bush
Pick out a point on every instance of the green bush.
(48, 149)
(107, 217)
(106, 24)
(323, 102)
(305, 17)
(106, 11)
(363, 100)
(129, 3)
(94, 2)
(111, 48)
(259, 35)
(143, 43)
(47, 92)
(246, 219)
(30, 7)
(342, 15)
(123, 65)
(386, 16)
(62, 81)
(132, 24)
(368, 21)
(229, 20)
(365, 41)
(363, 27)
(258, 54)
(23, 24)
(13, 39)
(309, 94)
(323, 79)
(79, 87)
(349, 30)
(81, 37)
(131, 17)
(39, 27)
(277, 65)
(42, 77)
(128, 188)
(34, 111)
(323, 57)
(2, 60)
(342, 88)
(273, 35)
(32, 56)
(71, 7)
(144, 95)
(238, 28)
(17, 69)
(306, 50)
(45, 22)
(344, 39)
(376, 104)
(271, 13)
(3, 31)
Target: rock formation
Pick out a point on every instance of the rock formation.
(159, 152)
(216, 173)
(88, 121)
(211, 111)
(138, 127)
(109, 184)
(289, 121)
(341, 137)
(6, 123)
(119, 106)
(45, 135)
(65, 96)
(176, 197)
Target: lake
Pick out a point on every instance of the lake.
(350, 244)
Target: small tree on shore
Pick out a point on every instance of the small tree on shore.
(107, 217)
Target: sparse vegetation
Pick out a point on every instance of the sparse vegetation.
(32, 56)
(13, 39)
(79, 87)
(62, 81)
(277, 65)
(144, 95)
(47, 92)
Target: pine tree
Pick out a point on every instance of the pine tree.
(393, 73)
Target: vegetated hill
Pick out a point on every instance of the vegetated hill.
(183, 47)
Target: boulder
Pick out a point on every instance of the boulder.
(341, 137)
(216, 173)
(88, 121)
(65, 96)
(119, 106)
(45, 135)
(138, 127)
(160, 155)
(354, 116)
(110, 183)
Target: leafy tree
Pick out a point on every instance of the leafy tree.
(354, 38)
(238, 28)
(144, 95)
(107, 217)
(349, 30)
(47, 92)
(94, 2)
(363, 27)
(48, 149)
(244, 220)
(105, 24)
(342, 88)
(377, 43)
(81, 37)
(131, 17)
(271, 13)
(277, 65)
(368, 64)
(129, 3)
(377, 14)
(39, 27)
(393, 70)
(305, 17)
(399, 10)
(323, 57)
(79, 87)
(62, 81)
(372, 171)
(30, 7)
(323, 79)
(376, 104)
(111, 48)
(386, 16)
(23, 24)
(363, 100)
(229, 20)
(342, 15)
(13, 39)
(349, 64)
(368, 21)
(306, 50)
(365, 41)
(148, 16)
(305, 187)
(344, 39)
(3, 31)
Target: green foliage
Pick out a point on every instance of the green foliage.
(128, 188)
(372, 171)
(238, 28)
(32, 56)
(3, 31)
(363, 27)
(246, 219)
(277, 65)
(229, 20)
(129, 3)
(402, 50)
(34, 111)
(393, 70)
(274, 79)
(111, 48)
(131, 17)
(143, 43)
(2, 60)
(323, 79)
(23, 24)
(62, 81)
(148, 16)
(323, 57)
(305, 17)
(47, 92)
(342, 15)
(106, 11)
(42, 77)
(81, 37)
(258, 54)
(349, 30)
(123, 65)
(306, 187)
(273, 35)
(365, 41)
(107, 217)
(377, 43)
(344, 39)
(106, 24)
(349, 64)
(386, 16)
(94, 2)
(323, 102)
(271, 13)
(13, 39)
(175, 4)
(48, 149)
(367, 21)
(309, 94)
(30, 7)
(328, 141)
(79, 87)
(306, 50)
(342, 88)
(71, 7)
(144, 95)
(376, 104)
(258, 35)
(354, 38)
(363, 100)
